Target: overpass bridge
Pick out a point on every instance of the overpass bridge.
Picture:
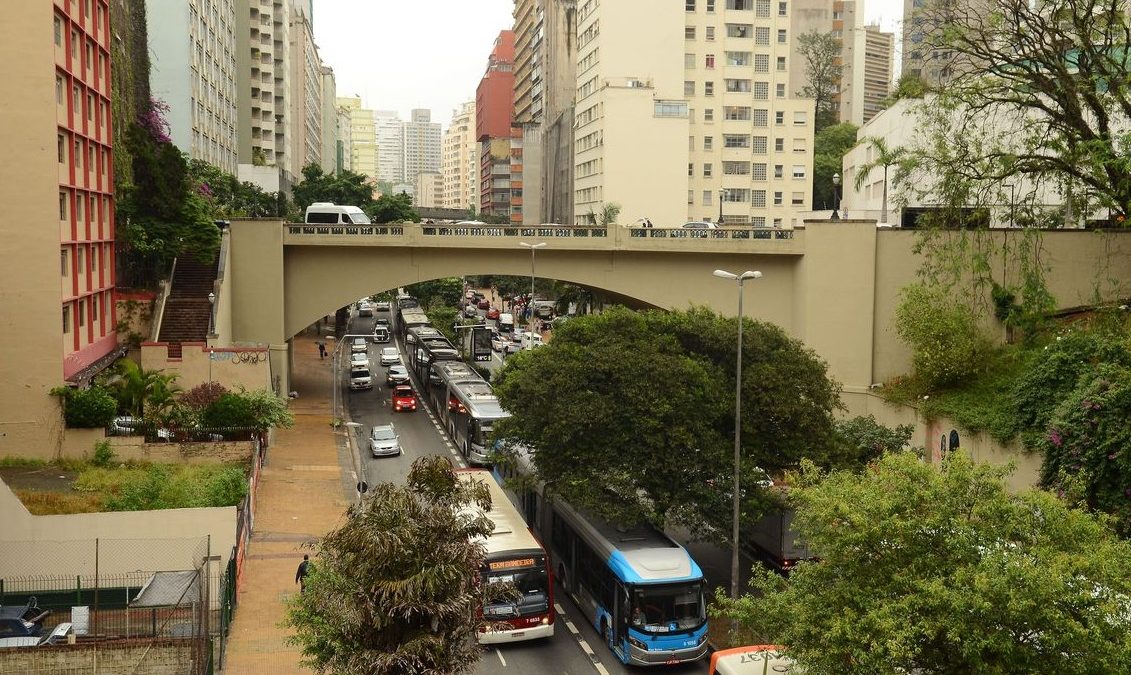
(833, 284)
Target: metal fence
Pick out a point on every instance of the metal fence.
(169, 615)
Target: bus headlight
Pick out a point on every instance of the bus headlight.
(545, 621)
(637, 643)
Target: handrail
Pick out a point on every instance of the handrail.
(159, 310)
(221, 266)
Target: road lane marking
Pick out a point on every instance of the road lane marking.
(500, 655)
(600, 667)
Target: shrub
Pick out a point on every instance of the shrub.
(230, 410)
(249, 409)
(228, 487)
(91, 408)
(943, 334)
(103, 454)
(203, 395)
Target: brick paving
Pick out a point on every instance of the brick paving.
(302, 495)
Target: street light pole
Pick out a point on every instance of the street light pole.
(722, 198)
(836, 197)
(740, 278)
(1012, 201)
(530, 305)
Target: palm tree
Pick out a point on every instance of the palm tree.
(136, 388)
(883, 156)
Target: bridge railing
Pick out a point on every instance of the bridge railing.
(724, 232)
(446, 230)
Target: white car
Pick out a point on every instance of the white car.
(381, 306)
(389, 356)
(358, 345)
(527, 337)
(700, 225)
(359, 359)
(365, 309)
(384, 441)
(499, 342)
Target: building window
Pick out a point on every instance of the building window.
(736, 195)
(669, 109)
(708, 88)
(735, 112)
(688, 88)
(707, 170)
(779, 90)
(779, 117)
(738, 30)
(61, 147)
(736, 141)
(689, 62)
(781, 36)
(710, 61)
(761, 9)
(779, 171)
(733, 85)
(739, 4)
(66, 319)
(781, 63)
(798, 171)
(706, 198)
(779, 145)
(736, 168)
(690, 170)
(761, 91)
(710, 33)
(78, 154)
(783, 9)
(761, 118)
(759, 172)
(708, 114)
(708, 143)
(799, 118)
(94, 305)
(62, 205)
(691, 196)
(777, 199)
(797, 199)
(689, 33)
(762, 36)
(710, 5)
(689, 5)
(758, 199)
(59, 89)
(64, 268)
(691, 143)
(759, 145)
(58, 32)
(79, 260)
(799, 145)
(738, 58)
(761, 63)
(81, 313)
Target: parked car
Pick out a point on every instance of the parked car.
(384, 441)
(358, 345)
(397, 374)
(484, 303)
(527, 337)
(359, 359)
(124, 425)
(403, 398)
(515, 345)
(493, 313)
(700, 225)
(389, 356)
(23, 621)
(360, 378)
(382, 306)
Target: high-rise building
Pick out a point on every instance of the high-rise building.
(263, 86)
(421, 139)
(329, 122)
(844, 19)
(459, 162)
(389, 131)
(494, 113)
(57, 280)
(879, 58)
(343, 141)
(192, 46)
(924, 52)
(429, 190)
(548, 149)
(362, 137)
(305, 105)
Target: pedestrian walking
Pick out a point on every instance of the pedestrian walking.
(321, 350)
(303, 570)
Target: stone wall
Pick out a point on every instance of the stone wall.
(153, 657)
(79, 443)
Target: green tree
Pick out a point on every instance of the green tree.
(258, 409)
(141, 393)
(909, 85)
(863, 440)
(928, 569)
(883, 156)
(346, 188)
(591, 406)
(91, 408)
(829, 146)
(396, 589)
(229, 197)
(821, 52)
(1060, 66)
(393, 209)
(447, 291)
(946, 340)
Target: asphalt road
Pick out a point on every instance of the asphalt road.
(575, 648)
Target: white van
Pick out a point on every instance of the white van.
(329, 213)
(506, 323)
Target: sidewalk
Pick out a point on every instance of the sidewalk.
(302, 495)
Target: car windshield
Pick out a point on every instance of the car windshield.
(668, 608)
(402, 392)
(360, 372)
(398, 370)
(383, 434)
(359, 218)
(533, 587)
(388, 351)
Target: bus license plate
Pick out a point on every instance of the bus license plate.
(672, 661)
(518, 634)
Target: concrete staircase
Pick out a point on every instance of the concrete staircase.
(187, 309)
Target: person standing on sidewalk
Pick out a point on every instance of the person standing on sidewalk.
(321, 350)
(303, 570)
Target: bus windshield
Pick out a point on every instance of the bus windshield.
(668, 608)
(482, 433)
(533, 587)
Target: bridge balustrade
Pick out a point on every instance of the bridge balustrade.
(725, 232)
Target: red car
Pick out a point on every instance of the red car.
(484, 304)
(492, 313)
(403, 398)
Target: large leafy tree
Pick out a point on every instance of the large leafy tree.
(1044, 88)
(229, 197)
(821, 53)
(639, 407)
(396, 589)
(446, 291)
(346, 187)
(829, 146)
(928, 569)
(393, 209)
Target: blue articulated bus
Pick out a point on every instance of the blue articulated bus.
(641, 590)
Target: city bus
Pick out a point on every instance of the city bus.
(640, 589)
(427, 346)
(513, 555)
(407, 318)
(467, 408)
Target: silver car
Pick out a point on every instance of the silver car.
(389, 356)
(384, 441)
(359, 359)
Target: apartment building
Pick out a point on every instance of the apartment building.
(421, 142)
(879, 62)
(329, 120)
(494, 114)
(263, 81)
(528, 105)
(343, 141)
(305, 103)
(844, 19)
(459, 161)
(192, 46)
(389, 129)
(429, 190)
(362, 141)
(57, 280)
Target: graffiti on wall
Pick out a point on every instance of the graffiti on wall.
(251, 357)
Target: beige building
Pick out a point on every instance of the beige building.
(845, 21)
(305, 105)
(429, 190)
(459, 162)
(421, 145)
(263, 85)
(57, 280)
(192, 47)
(707, 134)
(879, 61)
(328, 120)
(343, 140)
(388, 129)
(362, 137)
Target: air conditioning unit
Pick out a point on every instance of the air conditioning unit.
(635, 83)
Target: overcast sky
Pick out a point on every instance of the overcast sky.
(401, 55)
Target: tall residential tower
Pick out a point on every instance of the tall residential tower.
(459, 163)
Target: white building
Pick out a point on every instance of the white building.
(263, 81)
(328, 119)
(192, 46)
(306, 96)
(389, 131)
(459, 161)
(429, 190)
(421, 139)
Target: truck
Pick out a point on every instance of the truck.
(774, 541)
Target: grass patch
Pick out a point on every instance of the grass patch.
(57, 503)
(21, 463)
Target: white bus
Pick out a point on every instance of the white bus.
(513, 555)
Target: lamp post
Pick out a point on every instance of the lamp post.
(740, 278)
(211, 357)
(530, 305)
(1012, 198)
(722, 198)
(836, 197)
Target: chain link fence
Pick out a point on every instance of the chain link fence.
(134, 605)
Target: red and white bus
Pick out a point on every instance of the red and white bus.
(514, 555)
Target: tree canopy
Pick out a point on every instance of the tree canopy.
(821, 52)
(395, 590)
(393, 209)
(640, 405)
(352, 189)
(829, 146)
(941, 570)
